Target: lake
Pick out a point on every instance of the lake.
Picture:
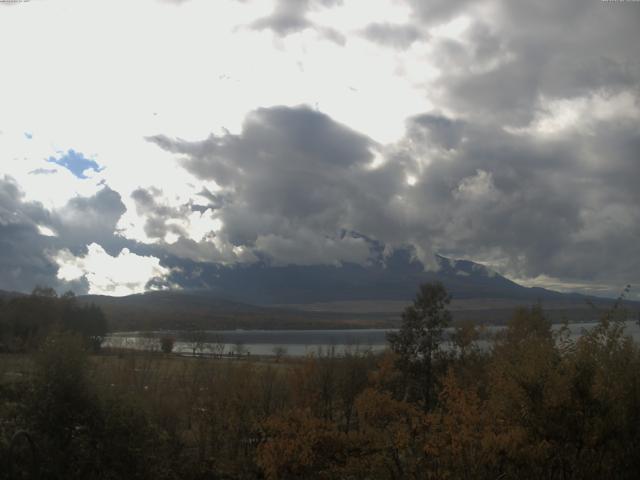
(295, 343)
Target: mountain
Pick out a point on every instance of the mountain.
(347, 296)
(393, 278)
(259, 296)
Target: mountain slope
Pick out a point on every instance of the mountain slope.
(395, 278)
(348, 296)
(203, 310)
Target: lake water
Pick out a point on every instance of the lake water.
(292, 342)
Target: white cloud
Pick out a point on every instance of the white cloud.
(125, 274)
(556, 116)
(479, 186)
(46, 231)
(564, 285)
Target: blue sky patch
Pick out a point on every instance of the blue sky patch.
(76, 163)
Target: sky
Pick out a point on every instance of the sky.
(136, 135)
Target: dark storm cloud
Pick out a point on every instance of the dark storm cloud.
(24, 259)
(563, 206)
(84, 220)
(392, 35)
(27, 255)
(293, 179)
(23, 262)
(436, 130)
(502, 65)
(13, 211)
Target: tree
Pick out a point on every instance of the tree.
(197, 340)
(166, 343)
(87, 320)
(44, 292)
(418, 340)
(95, 327)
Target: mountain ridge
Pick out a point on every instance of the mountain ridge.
(396, 277)
(349, 296)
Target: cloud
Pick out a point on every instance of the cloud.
(32, 237)
(290, 16)
(502, 64)
(43, 171)
(306, 247)
(84, 220)
(24, 246)
(287, 17)
(535, 204)
(475, 188)
(170, 224)
(520, 147)
(158, 217)
(392, 35)
(438, 11)
(436, 130)
(294, 181)
(124, 274)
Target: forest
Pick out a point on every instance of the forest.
(536, 405)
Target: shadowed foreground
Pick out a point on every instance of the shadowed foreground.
(537, 405)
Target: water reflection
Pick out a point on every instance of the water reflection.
(293, 342)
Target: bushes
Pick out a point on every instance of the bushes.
(81, 431)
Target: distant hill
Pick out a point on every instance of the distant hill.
(5, 295)
(350, 296)
(178, 310)
(392, 278)
(259, 296)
